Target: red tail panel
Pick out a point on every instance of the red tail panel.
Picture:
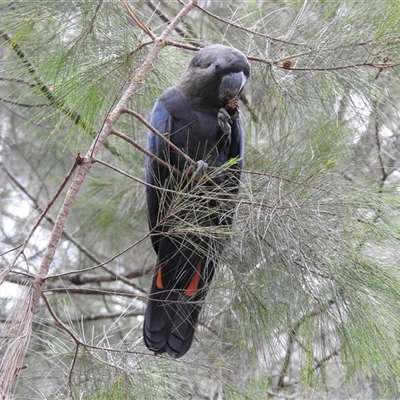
(159, 282)
(191, 290)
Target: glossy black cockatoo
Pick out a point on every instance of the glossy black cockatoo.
(188, 202)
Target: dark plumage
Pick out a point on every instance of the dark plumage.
(198, 115)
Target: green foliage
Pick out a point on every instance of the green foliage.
(307, 292)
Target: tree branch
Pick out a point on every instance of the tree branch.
(292, 336)
(161, 136)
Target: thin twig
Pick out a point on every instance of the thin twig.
(225, 21)
(325, 359)
(292, 337)
(120, 171)
(19, 104)
(98, 317)
(93, 291)
(67, 329)
(17, 80)
(138, 21)
(144, 150)
(160, 135)
(165, 19)
(378, 146)
(91, 25)
(378, 66)
(11, 250)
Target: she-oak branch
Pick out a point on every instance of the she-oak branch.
(15, 350)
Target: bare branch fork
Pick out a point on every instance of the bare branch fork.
(292, 337)
(19, 329)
